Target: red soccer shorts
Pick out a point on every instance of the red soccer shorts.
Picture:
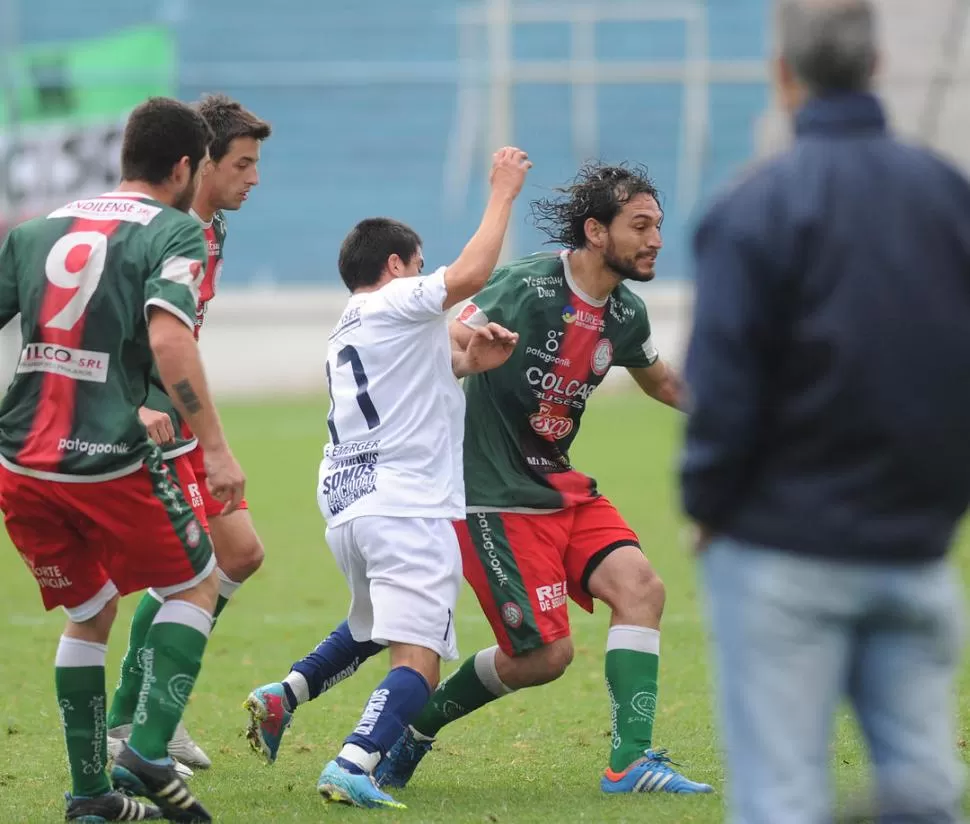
(196, 457)
(523, 566)
(181, 467)
(85, 541)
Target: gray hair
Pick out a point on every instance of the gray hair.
(830, 45)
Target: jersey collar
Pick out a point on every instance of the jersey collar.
(574, 287)
(127, 194)
(205, 224)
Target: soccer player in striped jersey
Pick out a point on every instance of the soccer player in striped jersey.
(103, 286)
(538, 533)
(227, 178)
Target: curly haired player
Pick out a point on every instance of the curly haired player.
(537, 531)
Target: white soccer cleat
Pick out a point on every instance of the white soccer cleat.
(118, 736)
(183, 748)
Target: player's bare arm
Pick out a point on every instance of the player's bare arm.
(488, 348)
(177, 356)
(471, 271)
(461, 335)
(661, 382)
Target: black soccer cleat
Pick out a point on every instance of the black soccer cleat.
(112, 806)
(161, 784)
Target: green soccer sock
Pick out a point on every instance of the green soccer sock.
(172, 660)
(79, 682)
(474, 684)
(632, 666)
(126, 693)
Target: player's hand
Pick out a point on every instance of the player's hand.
(225, 478)
(489, 347)
(158, 424)
(509, 168)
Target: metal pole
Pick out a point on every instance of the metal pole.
(9, 41)
(582, 58)
(499, 28)
(943, 78)
(695, 114)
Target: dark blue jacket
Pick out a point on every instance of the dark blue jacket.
(829, 366)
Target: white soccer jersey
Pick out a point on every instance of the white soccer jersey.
(397, 412)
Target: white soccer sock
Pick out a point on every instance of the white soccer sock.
(639, 639)
(174, 611)
(367, 761)
(487, 672)
(73, 652)
(301, 689)
(227, 587)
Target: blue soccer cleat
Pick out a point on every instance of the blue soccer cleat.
(268, 720)
(396, 768)
(358, 789)
(651, 774)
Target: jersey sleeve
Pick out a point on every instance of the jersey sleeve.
(416, 300)
(9, 294)
(494, 304)
(173, 285)
(636, 350)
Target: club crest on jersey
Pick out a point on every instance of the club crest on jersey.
(512, 614)
(602, 357)
(193, 534)
(547, 423)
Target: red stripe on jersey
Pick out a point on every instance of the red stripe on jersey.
(207, 290)
(579, 340)
(54, 418)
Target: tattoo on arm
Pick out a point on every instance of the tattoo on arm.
(188, 397)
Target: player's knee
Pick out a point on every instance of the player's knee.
(104, 620)
(540, 666)
(203, 594)
(241, 557)
(559, 657)
(650, 587)
(96, 629)
(635, 592)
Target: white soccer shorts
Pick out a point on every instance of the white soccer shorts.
(404, 576)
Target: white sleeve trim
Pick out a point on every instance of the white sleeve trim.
(172, 309)
(473, 317)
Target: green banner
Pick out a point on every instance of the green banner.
(62, 113)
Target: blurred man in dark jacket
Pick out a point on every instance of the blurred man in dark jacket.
(827, 460)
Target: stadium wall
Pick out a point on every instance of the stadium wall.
(263, 343)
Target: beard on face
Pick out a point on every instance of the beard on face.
(625, 267)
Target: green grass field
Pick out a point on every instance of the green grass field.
(532, 757)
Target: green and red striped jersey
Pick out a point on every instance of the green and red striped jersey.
(521, 418)
(83, 280)
(215, 239)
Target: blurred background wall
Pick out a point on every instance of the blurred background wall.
(394, 107)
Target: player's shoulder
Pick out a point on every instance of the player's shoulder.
(220, 224)
(624, 296)
(543, 269)
(626, 307)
